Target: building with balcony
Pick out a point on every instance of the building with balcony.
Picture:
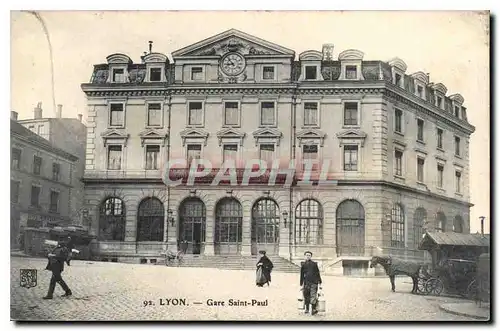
(397, 147)
(42, 182)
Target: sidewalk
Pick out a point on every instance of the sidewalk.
(468, 309)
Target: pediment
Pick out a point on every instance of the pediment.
(194, 133)
(152, 135)
(421, 77)
(457, 98)
(155, 58)
(351, 54)
(112, 133)
(119, 58)
(267, 132)
(398, 63)
(441, 88)
(310, 136)
(232, 40)
(351, 136)
(230, 133)
(310, 55)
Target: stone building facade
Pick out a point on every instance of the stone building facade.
(396, 143)
(42, 182)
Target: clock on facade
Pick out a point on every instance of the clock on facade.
(232, 64)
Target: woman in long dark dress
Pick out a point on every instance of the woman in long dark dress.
(264, 268)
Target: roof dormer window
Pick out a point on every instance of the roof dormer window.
(439, 102)
(311, 72)
(155, 74)
(118, 75)
(351, 72)
(398, 80)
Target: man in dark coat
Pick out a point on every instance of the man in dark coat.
(57, 258)
(266, 266)
(309, 281)
(70, 245)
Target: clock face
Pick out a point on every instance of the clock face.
(233, 64)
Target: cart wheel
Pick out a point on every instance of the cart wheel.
(421, 286)
(472, 290)
(434, 286)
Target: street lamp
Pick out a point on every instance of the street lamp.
(285, 216)
(170, 217)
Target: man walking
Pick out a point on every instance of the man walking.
(57, 258)
(309, 281)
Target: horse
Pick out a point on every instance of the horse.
(395, 267)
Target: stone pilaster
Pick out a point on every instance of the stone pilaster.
(246, 242)
(90, 148)
(379, 138)
(209, 230)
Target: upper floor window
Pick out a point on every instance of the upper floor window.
(398, 80)
(439, 102)
(37, 165)
(457, 111)
(266, 152)
(351, 113)
(197, 73)
(268, 72)
(155, 74)
(457, 146)
(116, 117)
(351, 72)
(35, 196)
(310, 114)
(350, 158)
(195, 116)
(398, 167)
(420, 169)
(154, 114)
(14, 191)
(398, 120)
(458, 181)
(310, 152)
(54, 202)
(16, 158)
(311, 72)
(267, 113)
(32, 128)
(114, 157)
(231, 113)
(439, 138)
(119, 75)
(420, 130)
(229, 152)
(193, 153)
(420, 91)
(440, 170)
(152, 157)
(56, 171)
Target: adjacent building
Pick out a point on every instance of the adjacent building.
(67, 134)
(397, 146)
(42, 182)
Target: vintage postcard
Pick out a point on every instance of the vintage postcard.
(250, 166)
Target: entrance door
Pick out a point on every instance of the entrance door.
(350, 228)
(265, 227)
(228, 227)
(192, 222)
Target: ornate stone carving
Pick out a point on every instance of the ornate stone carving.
(222, 78)
(208, 52)
(231, 45)
(101, 76)
(253, 51)
(370, 72)
(137, 75)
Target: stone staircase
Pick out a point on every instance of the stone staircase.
(234, 262)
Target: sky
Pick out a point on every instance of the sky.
(452, 46)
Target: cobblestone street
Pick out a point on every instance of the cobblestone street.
(113, 291)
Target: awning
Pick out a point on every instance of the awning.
(433, 239)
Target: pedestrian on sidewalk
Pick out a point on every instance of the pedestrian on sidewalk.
(55, 264)
(264, 268)
(310, 279)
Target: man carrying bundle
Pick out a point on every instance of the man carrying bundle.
(57, 258)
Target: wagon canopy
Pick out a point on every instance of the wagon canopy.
(436, 240)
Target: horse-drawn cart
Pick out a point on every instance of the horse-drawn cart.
(454, 263)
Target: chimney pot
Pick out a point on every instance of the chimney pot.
(13, 115)
(59, 111)
(38, 111)
(79, 117)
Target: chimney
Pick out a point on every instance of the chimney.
(79, 117)
(59, 111)
(328, 52)
(482, 225)
(13, 115)
(38, 111)
(150, 46)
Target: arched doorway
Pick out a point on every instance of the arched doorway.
(418, 225)
(228, 226)
(350, 228)
(192, 225)
(398, 237)
(150, 220)
(112, 220)
(265, 226)
(309, 223)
